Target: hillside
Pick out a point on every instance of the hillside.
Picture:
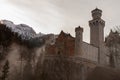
(22, 33)
(104, 73)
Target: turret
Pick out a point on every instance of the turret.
(78, 40)
(96, 13)
(96, 28)
(97, 34)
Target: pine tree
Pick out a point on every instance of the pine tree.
(5, 71)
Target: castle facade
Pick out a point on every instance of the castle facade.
(75, 46)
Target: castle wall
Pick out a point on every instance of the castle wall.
(89, 52)
(75, 67)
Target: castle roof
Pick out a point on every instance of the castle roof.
(78, 29)
(96, 10)
(63, 34)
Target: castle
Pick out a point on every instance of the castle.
(18, 39)
(68, 45)
(89, 55)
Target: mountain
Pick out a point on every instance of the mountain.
(26, 34)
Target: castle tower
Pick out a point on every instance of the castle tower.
(96, 28)
(78, 40)
(97, 33)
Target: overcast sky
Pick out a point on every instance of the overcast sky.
(52, 16)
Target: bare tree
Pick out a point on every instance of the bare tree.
(5, 71)
(113, 44)
(27, 56)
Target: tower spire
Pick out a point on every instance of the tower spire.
(78, 40)
(96, 13)
(97, 32)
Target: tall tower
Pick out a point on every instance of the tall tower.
(97, 33)
(96, 28)
(78, 40)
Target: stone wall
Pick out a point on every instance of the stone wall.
(89, 52)
(66, 68)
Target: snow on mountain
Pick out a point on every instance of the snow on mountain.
(28, 35)
(40, 34)
(24, 31)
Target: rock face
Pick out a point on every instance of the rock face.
(20, 44)
(104, 73)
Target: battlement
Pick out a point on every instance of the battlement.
(96, 13)
(79, 29)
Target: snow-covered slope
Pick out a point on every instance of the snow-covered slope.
(24, 31)
(40, 34)
(27, 35)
